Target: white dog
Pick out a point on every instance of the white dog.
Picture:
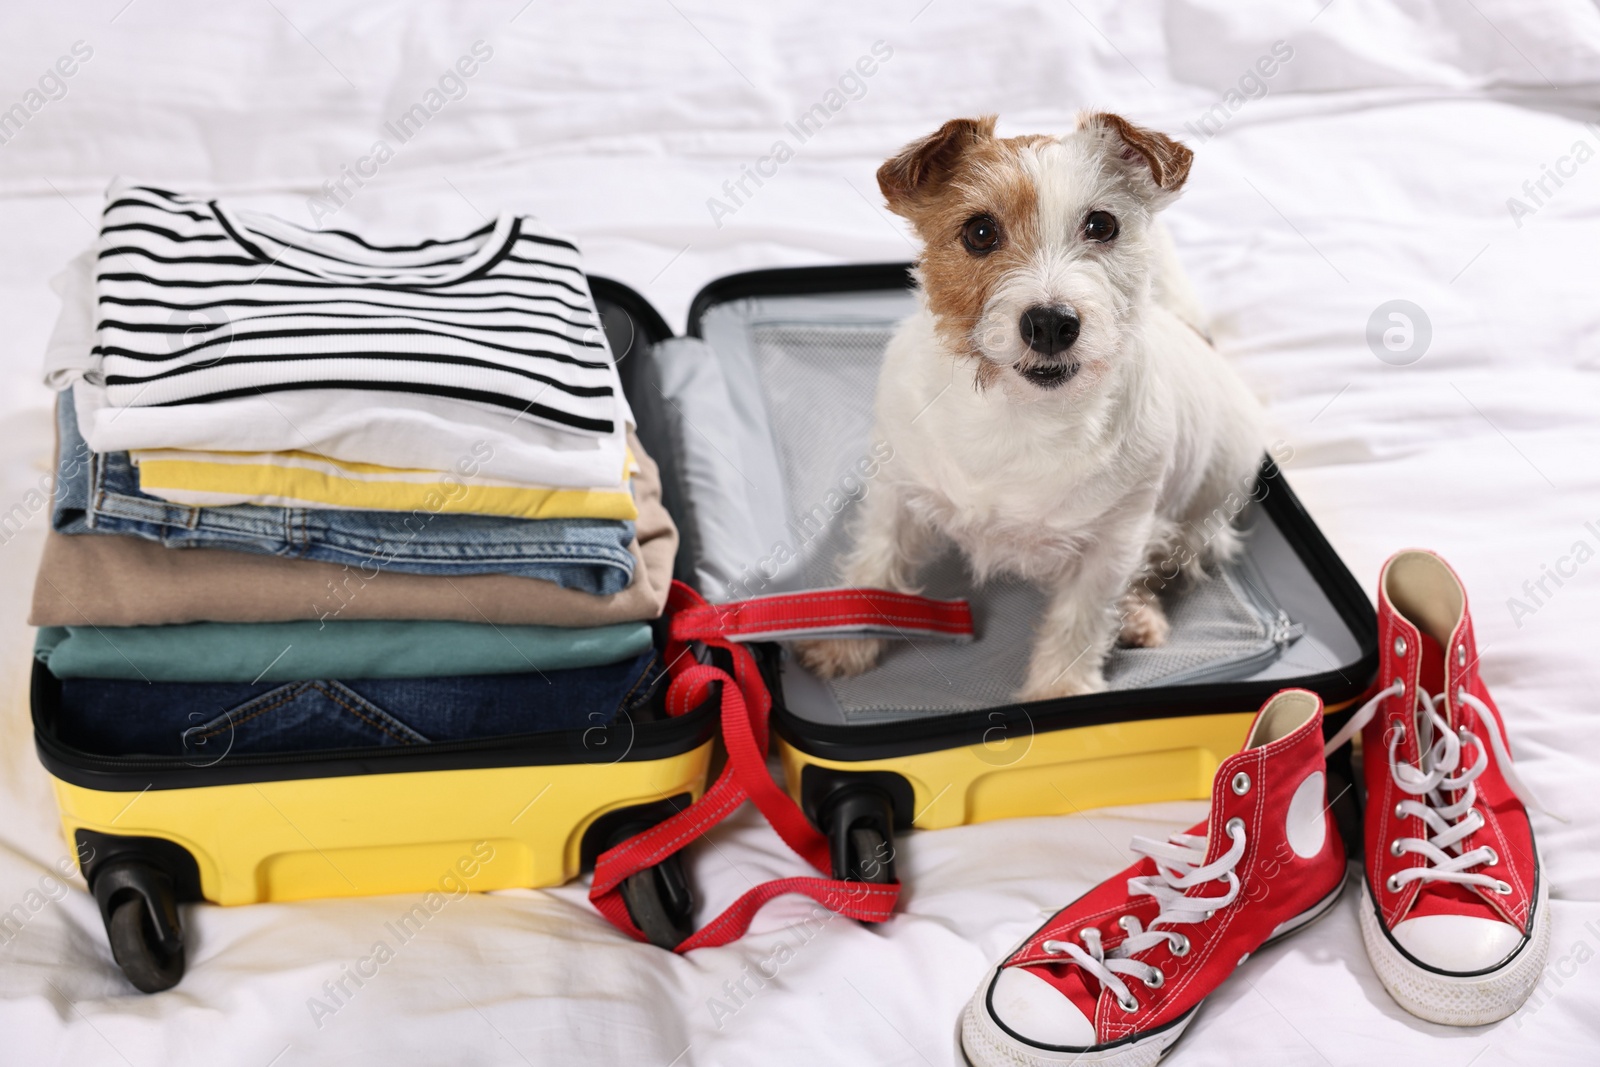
(1053, 405)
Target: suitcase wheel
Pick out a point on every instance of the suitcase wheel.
(141, 915)
(658, 898)
(859, 821)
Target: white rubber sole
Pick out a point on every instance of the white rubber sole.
(988, 1044)
(1458, 1000)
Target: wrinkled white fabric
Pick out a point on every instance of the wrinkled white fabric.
(1377, 167)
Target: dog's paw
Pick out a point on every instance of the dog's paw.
(837, 657)
(1144, 623)
(1066, 684)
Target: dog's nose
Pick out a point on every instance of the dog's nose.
(1048, 330)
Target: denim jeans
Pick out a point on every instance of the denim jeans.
(305, 651)
(98, 492)
(206, 722)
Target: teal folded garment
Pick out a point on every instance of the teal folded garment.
(305, 651)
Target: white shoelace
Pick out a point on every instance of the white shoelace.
(1435, 776)
(1180, 865)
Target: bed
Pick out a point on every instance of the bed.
(1441, 154)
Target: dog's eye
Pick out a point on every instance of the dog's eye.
(981, 235)
(1100, 226)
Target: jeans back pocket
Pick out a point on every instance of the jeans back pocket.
(297, 717)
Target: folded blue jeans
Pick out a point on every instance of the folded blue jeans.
(98, 493)
(303, 651)
(207, 722)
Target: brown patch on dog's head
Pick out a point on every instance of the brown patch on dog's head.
(923, 166)
(940, 184)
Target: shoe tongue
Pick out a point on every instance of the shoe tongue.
(1432, 675)
(1420, 734)
(1451, 898)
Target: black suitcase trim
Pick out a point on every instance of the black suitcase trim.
(648, 326)
(647, 318)
(797, 281)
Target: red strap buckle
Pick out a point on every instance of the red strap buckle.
(746, 705)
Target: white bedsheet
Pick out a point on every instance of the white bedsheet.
(1378, 166)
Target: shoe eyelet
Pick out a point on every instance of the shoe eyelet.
(1395, 849)
(1494, 857)
(1503, 888)
(1087, 932)
(1126, 922)
(1399, 729)
(1210, 913)
(1399, 812)
(1461, 655)
(1233, 824)
(1178, 946)
(1156, 980)
(1399, 645)
(1129, 1006)
(1241, 783)
(1393, 884)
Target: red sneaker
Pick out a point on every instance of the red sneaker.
(1453, 906)
(1116, 976)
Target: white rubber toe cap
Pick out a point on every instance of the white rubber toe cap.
(1037, 1011)
(1460, 944)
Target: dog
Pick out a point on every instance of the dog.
(1054, 405)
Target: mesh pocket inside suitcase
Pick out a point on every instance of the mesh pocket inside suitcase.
(801, 374)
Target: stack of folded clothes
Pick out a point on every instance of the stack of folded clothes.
(314, 491)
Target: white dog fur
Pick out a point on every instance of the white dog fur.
(1090, 485)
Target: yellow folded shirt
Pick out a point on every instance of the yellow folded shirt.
(307, 480)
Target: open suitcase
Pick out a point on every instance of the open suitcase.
(761, 419)
(529, 810)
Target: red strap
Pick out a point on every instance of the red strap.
(746, 705)
(816, 613)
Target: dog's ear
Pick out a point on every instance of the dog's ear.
(1156, 165)
(923, 166)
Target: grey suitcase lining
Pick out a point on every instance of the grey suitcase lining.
(763, 432)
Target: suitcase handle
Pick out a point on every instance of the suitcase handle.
(825, 613)
(746, 705)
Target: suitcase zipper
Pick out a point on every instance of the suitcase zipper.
(1278, 631)
(88, 760)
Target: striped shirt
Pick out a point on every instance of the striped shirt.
(197, 303)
